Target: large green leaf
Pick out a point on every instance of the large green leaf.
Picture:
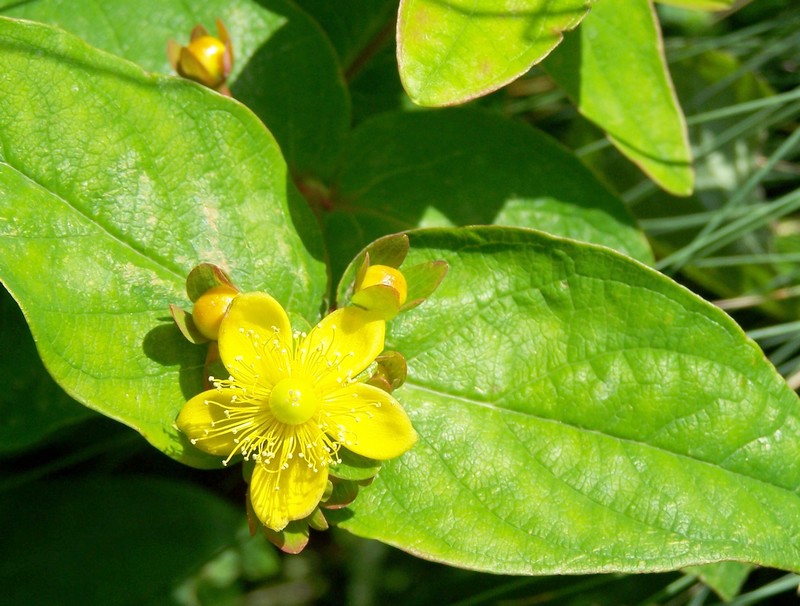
(724, 165)
(114, 541)
(456, 50)
(355, 27)
(113, 185)
(613, 67)
(705, 5)
(31, 405)
(466, 167)
(280, 55)
(580, 412)
(377, 89)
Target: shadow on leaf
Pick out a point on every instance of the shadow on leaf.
(165, 345)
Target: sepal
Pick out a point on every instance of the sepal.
(185, 323)
(317, 520)
(353, 467)
(344, 493)
(204, 277)
(382, 284)
(422, 280)
(292, 539)
(390, 371)
(381, 289)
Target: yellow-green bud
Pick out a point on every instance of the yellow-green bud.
(386, 276)
(210, 308)
(210, 52)
(207, 59)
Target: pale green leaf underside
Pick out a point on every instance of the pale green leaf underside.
(613, 67)
(580, 412)
(450, 52)
(113, 185)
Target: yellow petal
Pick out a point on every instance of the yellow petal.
(341, 346)
(369, 421)
(203, 421)
(247, 338)
(279, 497)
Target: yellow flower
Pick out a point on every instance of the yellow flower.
(292, 401)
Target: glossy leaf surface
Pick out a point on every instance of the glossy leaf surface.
(613, 68)
(464, 167)
(280, 55)
(114, 184)
(451, 52)
(579, 412)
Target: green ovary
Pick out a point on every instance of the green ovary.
(293, 401)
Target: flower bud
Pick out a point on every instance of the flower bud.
(382, 290)
(210, 308)
(207, 60)
(387, 276)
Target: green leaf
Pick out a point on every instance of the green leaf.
(354, 27)
(107, 540)
(703, 5)
(377, 89)
(579, 412)
(466, 167)
(280, 55)
(295, 84)
(31, 405)
(727, 157)
(725, 578)
(355, 467)
(613, 68)
(451, 52)
(113, 185)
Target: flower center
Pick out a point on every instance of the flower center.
(293, 401)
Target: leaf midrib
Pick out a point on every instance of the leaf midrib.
(628, 440)
(93, 221)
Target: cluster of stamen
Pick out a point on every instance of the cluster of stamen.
(276, 413)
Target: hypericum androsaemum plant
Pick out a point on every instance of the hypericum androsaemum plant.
(293, 401)
(566, 408)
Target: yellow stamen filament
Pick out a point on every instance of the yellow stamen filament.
(276, 412)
